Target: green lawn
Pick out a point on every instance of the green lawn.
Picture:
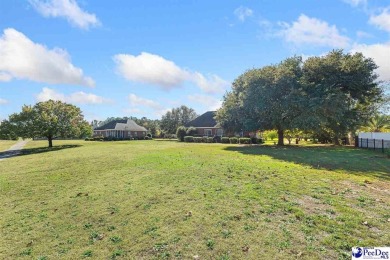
(164, 199)
(6, 144)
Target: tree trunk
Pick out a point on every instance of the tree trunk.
(336, 140)
(280, 137)
(50, 139)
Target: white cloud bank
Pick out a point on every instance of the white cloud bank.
(67, 9)
(153, 69)
(21, 58)
(312, 31)
(74, 98)
(380, 53)
(382, 20)
(242, 13)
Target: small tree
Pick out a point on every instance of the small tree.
(180, 133)
(50, 119)
(7, 131)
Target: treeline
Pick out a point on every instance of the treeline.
(328, 96)
(166, 126)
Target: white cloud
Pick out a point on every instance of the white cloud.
(209, 102)
(150, 68)
(67, 9)
(5, 76)
(355, 3)
(153, 69)
(23, 59)
(135, 101)
(212, 84)
(243, 12)
(362, 34)
(312, 31)
(140, 106)
(380, 53)
(76, 97)
(382, 20)
(3, 101)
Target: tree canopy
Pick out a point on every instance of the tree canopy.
(332, 94)
(50, 119)
(176, 117)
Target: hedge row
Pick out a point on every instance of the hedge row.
(224, 140)
(100, 138)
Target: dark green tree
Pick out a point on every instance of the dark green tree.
(343, 90)
(330, 95)
(7, 131)
(267, 98)
(176, 117)
(50, 119)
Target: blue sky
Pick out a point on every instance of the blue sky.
(140, 58)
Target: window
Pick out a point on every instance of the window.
(208, 132)
(135, 133)
(219, 132)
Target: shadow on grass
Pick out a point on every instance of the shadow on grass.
(47, 149)
(13, 153)
(165, 140)
(354, 160)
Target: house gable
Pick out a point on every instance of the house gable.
(204, 120)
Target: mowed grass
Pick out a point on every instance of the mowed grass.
(6, 144)
(164, 199)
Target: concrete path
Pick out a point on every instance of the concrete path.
(13, 150)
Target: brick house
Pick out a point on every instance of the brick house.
(120, 129)
(206, 125)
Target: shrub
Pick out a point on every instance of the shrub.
(233, 140)
(217, 139)
(204, 139)
(254, 140)
(188, 139)
(225, 140)
(198, 139)
(191, 131)
(245, 140)
(210, 139)
(180, 133)
(147, 137)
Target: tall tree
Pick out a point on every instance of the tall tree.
(50, 119)
(267, 98)
(331, 95)
(344, 89)
(176, 117)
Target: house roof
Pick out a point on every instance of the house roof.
(124, 125)
(205, 120)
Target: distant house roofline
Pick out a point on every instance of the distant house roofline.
(206, 120)
(122, 125)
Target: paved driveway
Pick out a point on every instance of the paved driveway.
(14, 150)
